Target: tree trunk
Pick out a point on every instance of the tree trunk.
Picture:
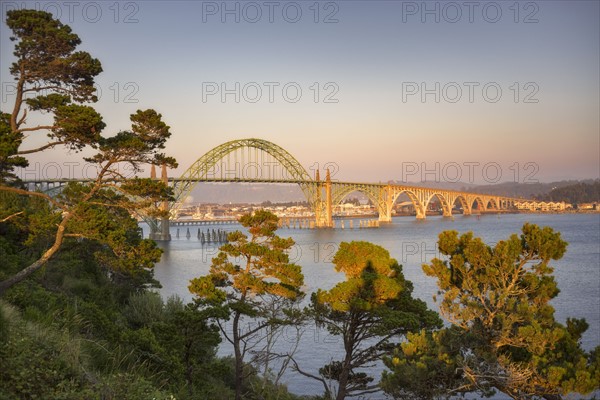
(18, 101)
(24, 273)
(346, 364)
(239, 370)
(343, 379)
(341, 394)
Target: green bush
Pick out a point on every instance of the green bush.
(39, 362)
(144, 309)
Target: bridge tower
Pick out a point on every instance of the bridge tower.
(385, 203)
(328, 205)
(323, 208)
(159, 229)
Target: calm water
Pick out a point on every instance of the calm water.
(412, 243)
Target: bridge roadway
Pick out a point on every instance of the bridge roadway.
(259, 161)
(384, 194)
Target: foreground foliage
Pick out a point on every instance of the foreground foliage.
(503, 336)
(54, 81)
(76, 330)
(372, 307)
(253, 283)
(77, 333)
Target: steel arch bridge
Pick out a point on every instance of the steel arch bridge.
(257, 160)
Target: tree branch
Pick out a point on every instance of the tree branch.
(22, 119)
(57, 88)
(35, 194)
(368, 390)
(297, 368)
(14, 126)
(76, 235)
(10, 216)
(35, 128)
(223, 331)
(46, 146)
(24, 273)
(253, 331)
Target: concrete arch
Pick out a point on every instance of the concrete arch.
(420, 207)
(446, 206)
(480, 203)
(463, 203)
(493, 203)
(341, 192)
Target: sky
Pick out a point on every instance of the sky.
(481, 92)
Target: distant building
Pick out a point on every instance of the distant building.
(543, 206)
(588, 206)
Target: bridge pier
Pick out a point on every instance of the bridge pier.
(385, 204)
(384, 218)
(323, 209)
(162, 230)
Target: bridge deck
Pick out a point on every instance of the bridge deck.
(62, 181)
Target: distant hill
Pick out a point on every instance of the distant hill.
(577, 193)
(460, 186)
(525, 190)
(512, 189)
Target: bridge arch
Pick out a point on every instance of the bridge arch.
(204, 166)
(342, 191)
(466, 206)
(414, 198)
(446, 206)
(481, 206)
(492, 204)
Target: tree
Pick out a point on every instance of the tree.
(50, 75)
(371, 307)
(244, 292)
(101, 209)
(503, 335)
(424, 366)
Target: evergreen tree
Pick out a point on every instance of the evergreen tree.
(50, 77)
(53, 78)
(503, 335)
(373, 306)
(247, 276)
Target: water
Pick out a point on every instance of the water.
(412, 243)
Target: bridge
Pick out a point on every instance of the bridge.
(260, 161)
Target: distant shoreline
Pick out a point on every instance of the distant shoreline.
(433, 214)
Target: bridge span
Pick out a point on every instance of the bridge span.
(260, 161)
